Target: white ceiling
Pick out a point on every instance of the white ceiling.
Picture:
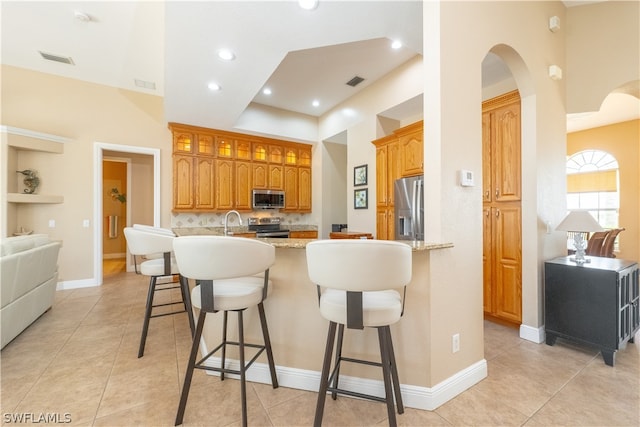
(301, 55)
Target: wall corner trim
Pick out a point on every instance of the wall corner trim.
(532, 334)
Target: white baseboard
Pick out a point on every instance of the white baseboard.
(530, 333)
(76, 284)
(424, 398)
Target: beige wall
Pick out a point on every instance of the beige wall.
(86, 113)
(603, 43)
(621, 140)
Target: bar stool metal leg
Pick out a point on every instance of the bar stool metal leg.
(224, 344)
(267, 344)
(243, 369)
(334, 395)
(186, 300)
(324, 378)
(394, 372)
(190, 367)
(147, 315)
(386, 375)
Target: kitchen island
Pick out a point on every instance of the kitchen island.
(298, 331)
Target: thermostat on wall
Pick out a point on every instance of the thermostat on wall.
(466, 178)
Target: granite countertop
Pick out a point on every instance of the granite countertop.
(237, 229)
(292, 243)
(302, 243)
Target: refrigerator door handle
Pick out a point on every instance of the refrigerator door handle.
(414, 210)
(419, 215)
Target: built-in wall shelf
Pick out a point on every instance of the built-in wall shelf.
(33, 198)
(24, 149)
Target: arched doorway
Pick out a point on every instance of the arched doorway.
(516, 77)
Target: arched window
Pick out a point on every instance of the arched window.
(592, 184)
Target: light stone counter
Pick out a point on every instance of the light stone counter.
(293, 243)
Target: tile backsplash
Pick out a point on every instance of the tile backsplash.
(216, 219)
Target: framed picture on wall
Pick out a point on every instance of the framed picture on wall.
(361, 198)
(360, 175)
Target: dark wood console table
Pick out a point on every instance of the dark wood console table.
(596, 303)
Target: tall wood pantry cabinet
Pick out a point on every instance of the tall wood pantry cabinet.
(502, 223)
(398, 155)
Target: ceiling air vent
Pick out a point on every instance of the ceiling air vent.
(56, 58)
(355, 81)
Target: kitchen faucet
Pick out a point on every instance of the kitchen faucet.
(226, 220)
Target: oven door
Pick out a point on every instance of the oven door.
(281, 234)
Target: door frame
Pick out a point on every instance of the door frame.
(98, 157)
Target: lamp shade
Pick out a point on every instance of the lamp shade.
(579, 221)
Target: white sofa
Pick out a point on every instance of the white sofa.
(29, 275)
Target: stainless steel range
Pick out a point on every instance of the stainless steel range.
(268, 227)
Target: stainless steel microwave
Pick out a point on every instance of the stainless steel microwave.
(267, 199)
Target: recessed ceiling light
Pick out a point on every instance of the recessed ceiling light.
(315, 103)
(214, 86)
(266, 91)
(308, 4)
(396, 44)
(226, 55)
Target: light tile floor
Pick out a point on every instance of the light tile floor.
(80, 359)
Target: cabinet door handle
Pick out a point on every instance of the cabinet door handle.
(486, 194)
(497, 192)
(497, 213)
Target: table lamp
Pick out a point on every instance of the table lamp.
(579, 222)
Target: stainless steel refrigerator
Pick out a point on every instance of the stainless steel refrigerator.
(409, 208)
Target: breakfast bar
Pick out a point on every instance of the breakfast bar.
(298, 332)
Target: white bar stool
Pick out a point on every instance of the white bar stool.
(157, 245)
(356, 281)
(225, 270)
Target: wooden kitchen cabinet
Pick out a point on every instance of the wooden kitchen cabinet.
(183, 141)
(502, 256)
(243, 150)
(303, 234)
(502, 229)
(224, 184)
(304, 189)
(183, 197)
(216, 170)
(268, 176)
(276, 177)
(290, 188)
(260, 175)
(297, 189)
(242, 186)
(411, 143)
(501, 149)
(204, 183)
(304, 156)
(397, 155)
